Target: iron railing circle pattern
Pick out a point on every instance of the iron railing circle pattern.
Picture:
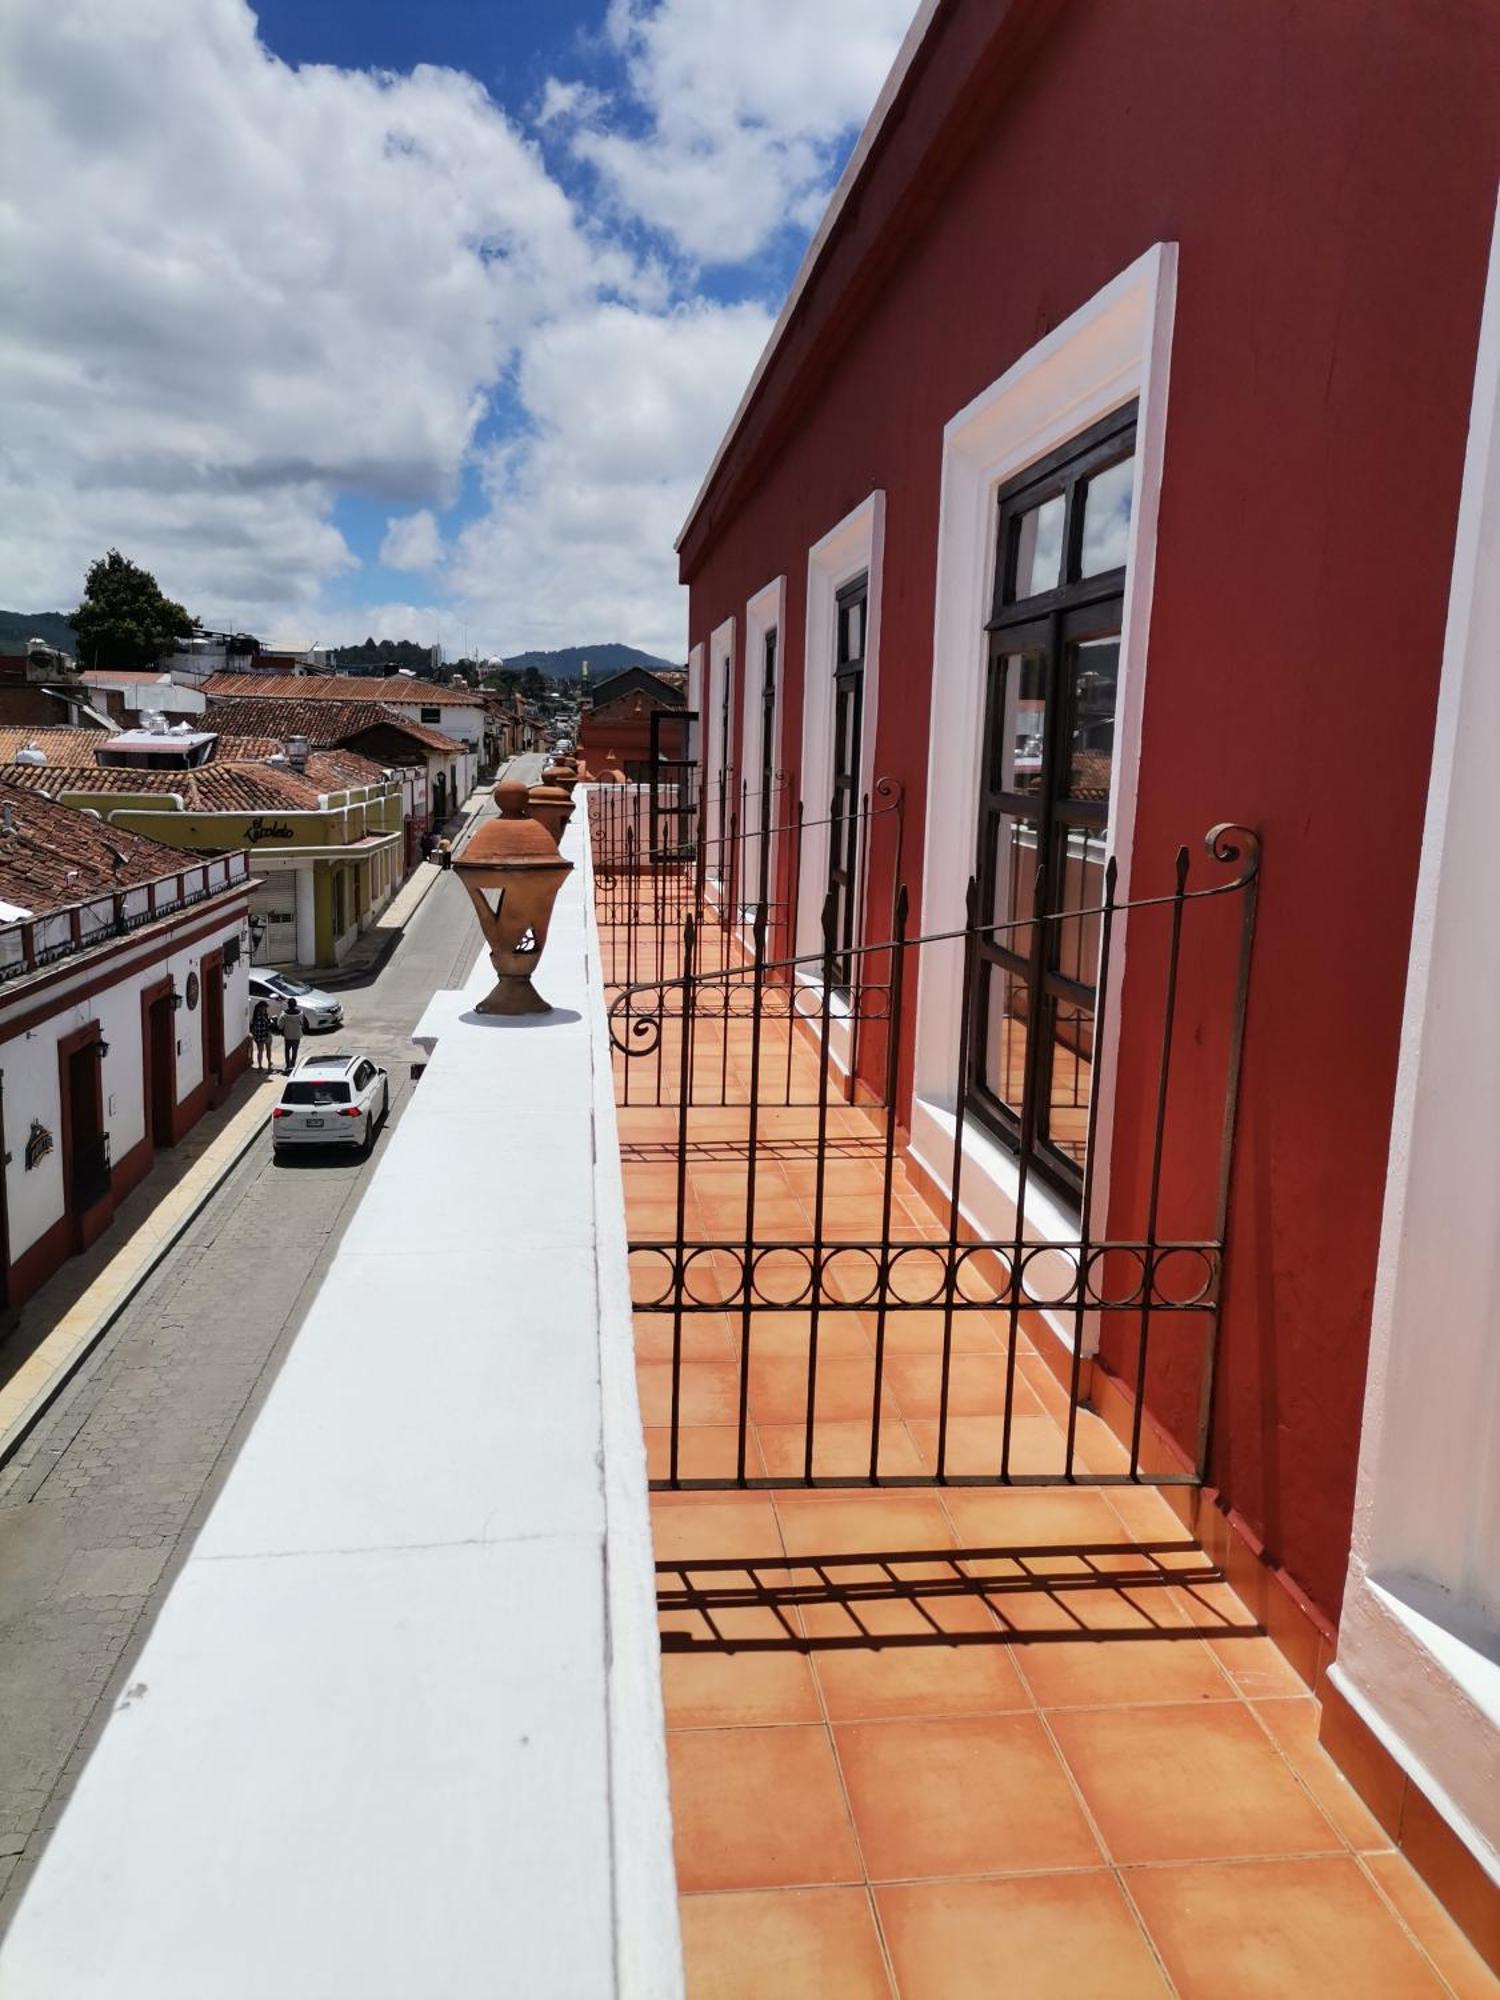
(695, 974)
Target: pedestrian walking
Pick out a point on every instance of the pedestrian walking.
(262, 1028)
(291, 1025)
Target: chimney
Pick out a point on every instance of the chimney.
(296, 752)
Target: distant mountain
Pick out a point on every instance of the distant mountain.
(16, 627)
(567, 662)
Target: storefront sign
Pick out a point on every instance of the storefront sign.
(267, 829)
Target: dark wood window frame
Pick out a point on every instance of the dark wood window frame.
(1043, 631)
(850, 638)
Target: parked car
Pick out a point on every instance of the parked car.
(321, 1011)
(333, 1100)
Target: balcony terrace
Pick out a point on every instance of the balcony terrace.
(520, 1584)
(923, 1721)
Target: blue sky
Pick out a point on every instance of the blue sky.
(349, 315)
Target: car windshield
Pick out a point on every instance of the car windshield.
(315, 1093)
(291, 985)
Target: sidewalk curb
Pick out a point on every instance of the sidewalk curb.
(22, 1427)
(339, 982)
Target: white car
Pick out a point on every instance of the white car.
(321, 1011)
(335, 1100)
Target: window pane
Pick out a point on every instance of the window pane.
(1038, 549)
(1019, 723)
(1012, 882)
(1095, 669)
(1106, 519)
(1072, 1079)
(1003, 1066)
(1079, 886)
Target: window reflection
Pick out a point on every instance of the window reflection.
(1106, 519)
(1096, 678)
(1037, 564)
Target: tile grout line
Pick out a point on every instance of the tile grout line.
(1130, 1902)
(871, 1903)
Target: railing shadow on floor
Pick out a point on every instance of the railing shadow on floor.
(1111, 1580)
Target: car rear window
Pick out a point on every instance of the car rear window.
(315, 1093)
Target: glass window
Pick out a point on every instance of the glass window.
(315, 1093)
(1096, 676)
(1106, 519)
(1044, 815)
(1036, 564)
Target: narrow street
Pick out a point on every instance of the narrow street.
(104, 1498)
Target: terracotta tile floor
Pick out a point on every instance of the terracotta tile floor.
(949, 1742)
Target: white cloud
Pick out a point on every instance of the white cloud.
(412, 541)
(746, 101)
(237, 291)
(627, 408)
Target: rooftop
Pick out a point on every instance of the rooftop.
(321, 721)
(342, 687)
(53, 856)
(217, 787)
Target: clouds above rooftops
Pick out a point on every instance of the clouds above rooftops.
(245, 297)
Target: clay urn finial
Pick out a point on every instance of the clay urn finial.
(558, 773)
(512, 871)
(552, 807)
(612, 774)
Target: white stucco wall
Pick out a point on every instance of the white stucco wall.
(29, 1059)
(1419, 1638)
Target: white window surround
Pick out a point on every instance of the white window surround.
(855, 547)
(764, 613)
(1419, 1637)
(1115, 348)
(717, 666)
(696, 658)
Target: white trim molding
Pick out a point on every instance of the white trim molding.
(764, 613)
(856, 546)
(1419, 1639)
(1115, 348)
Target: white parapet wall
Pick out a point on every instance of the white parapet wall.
(398, 1728)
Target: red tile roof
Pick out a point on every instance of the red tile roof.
(60, 746)
(52, 856)
(341, 687)
(325, 724)
(210, 788)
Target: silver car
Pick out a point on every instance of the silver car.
(334, 1100)
(321, 1011)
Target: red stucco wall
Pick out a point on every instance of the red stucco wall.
(1328, 173)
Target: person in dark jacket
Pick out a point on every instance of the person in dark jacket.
(291, 1024)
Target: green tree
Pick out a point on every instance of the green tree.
(124, 620)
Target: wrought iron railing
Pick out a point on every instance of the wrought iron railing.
(756, 1054)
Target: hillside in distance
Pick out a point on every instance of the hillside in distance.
(16, 627)
(566, 663)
